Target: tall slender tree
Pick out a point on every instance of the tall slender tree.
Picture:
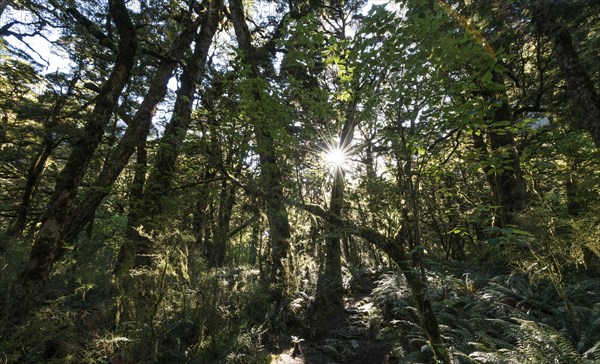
(579, 84)
(271, 173)
(48, 246)
(38, 164)
(160, 178)
(330, 290)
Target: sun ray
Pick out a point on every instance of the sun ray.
(336, 156)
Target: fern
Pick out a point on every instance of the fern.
(461, 357)
(542, 344)
(459, 337)
(506, 319)
(492, 358)
(593, 353)
(590, 336)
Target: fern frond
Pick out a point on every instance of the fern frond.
(590, 335)
(491, 358)
(543, 344)
(593, 353)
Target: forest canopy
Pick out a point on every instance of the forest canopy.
(310, 181)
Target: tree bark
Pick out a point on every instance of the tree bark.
(137, 248)
(505, 180)
(161, 176)
(200, 218)
(47, 247)
(330, 290)
(221, 236)
(579, 83)
(135, 135)
(279, 228)
(508, 185)
(38, 164)
(215, 244)
(136, 193)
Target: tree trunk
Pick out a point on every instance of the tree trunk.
(200, 219)
(139, 177)
(579, 83)
(410, 234)
(279, 228)
(221, 236)
(506, 178)
(277, 216)
(39, 162)
(330, 290)
(137, 248)
(135, 135)
(48, 246)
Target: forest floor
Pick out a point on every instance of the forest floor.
(349, 337)
(486, 314)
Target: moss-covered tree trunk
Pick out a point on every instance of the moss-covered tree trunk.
(330, 290)
(135, 136)
(504, 175)
(277, 216)
(48, 245)
(271, 175)
(579, 83)
(137, 248)
(221, 238)
(508, 184)
(200, 219)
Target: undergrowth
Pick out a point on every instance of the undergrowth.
(491, 317)
(536, 311)
(222, 315)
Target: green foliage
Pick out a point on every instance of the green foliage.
(218, 316)
(537, 343)
(489, 317)
(422, 85)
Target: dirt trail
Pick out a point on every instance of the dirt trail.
(350, 340)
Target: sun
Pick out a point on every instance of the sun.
(337, 157)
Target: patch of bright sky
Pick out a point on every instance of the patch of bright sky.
(50, 57)
(53, 59)
(376, 2)
(44, 52)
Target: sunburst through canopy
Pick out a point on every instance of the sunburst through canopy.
(337, 157)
